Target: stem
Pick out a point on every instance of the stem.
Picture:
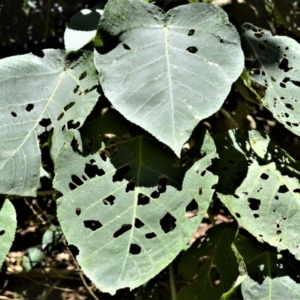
(229, 117)
(172, 282)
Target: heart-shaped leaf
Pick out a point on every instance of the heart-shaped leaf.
(168, 71)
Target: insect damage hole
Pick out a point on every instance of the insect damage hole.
(78, 211)
(150, 235)
(2, 232)
(191, 209)
(134, 249)
(167, 223)
(192, 49)
(92, 224)
(126, 47)
(214, 275)
(14, 114)
(29, 107)
(124, 228)
(254, 204)
(191, 32)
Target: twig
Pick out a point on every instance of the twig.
(172, 281)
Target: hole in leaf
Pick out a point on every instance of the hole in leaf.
(130, 186)
(134, 249)
(120, 173)
(254, 204)
(167, 223)
(296, 83)
(155, 195)
(2, 232)
(289, 106)
(203, 173)
(191, 32)
(256, 216)
(276, 197)
(124, 228)
(221, 41)
(72, 186)
(75, 179)
(45, 122)
(214, 275)
(192, 49)
(78, 211)
(200, 191)
(92, 171)
(296, 191)
(126, 47)
(273, 79)
(76, 89)
(138, 223)
(92, 224)
(193, 205)
(109, 200)
(282, 189)
(278, 232)
(236, 196)
(83, 75)
(237, 215)
(14, 114)
(284, 65)
(264, 176)
(258, 34)
(29, 107)
(150, 235)
(60, 116)
(143, 200)
(68, 106)
(74, 250)
(71, 125)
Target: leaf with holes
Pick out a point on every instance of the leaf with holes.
(259, 184)
(146, 160)
(275, 289)
(168, 71)
(8, 226)
(273, 62)
(125, 236)
(264, 264)
(212, 263)
(36, 92)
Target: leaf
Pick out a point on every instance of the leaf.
(213, 263)
(259, 184)
(273, 62)
(275, 289)
(36, 92)
(125, 236)
(8, 226)
(150, 161)
(82, 28)
(168, 71)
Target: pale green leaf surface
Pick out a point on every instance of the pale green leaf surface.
(275, 289)
(168, 71)
(259, 184)
(38, 90)
(273, 62)
(119, 234)
(8, 226)
(212, 263)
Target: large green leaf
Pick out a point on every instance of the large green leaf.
(273, 62)
(126, 235)
(168, 71)
(212, 263)
(35, 92)
(259, 184)
(8, 226)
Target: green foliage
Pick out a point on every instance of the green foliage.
(138, 170)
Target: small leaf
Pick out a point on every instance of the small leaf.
(163, 75)
(8, 226)
(273, 62)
